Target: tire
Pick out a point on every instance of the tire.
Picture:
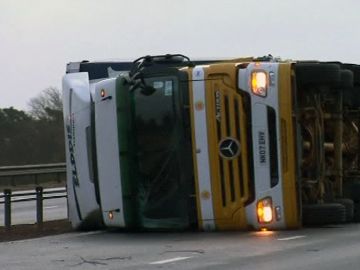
(356, 212)
(346, 79)
(352, 190)
(356, 71)
(318, 74)
(323, 214)
(349, 208)
(352, 97)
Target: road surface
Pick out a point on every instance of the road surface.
(330, 248)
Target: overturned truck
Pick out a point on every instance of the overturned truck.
(168, 143)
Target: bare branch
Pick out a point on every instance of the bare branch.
(49, 100)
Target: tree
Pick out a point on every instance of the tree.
(34, 137)
(47, 105)
(17, 136)
(46, 109)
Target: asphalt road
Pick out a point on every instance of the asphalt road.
(25, 212)
(336, 247)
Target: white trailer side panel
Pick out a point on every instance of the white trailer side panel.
(80, 179)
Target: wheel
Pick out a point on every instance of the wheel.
(352, 97)
(318, 74)
(323, 214)
(356, 212)
(346, 79)
(349, 208)
(352, 190)
(356, 71)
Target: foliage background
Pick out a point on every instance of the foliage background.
(36, 136)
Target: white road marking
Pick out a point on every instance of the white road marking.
(170, 260)
(51, 207)
(291, 238)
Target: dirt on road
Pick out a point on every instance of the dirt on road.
(20, 232)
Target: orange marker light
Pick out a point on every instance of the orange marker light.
(264, 210)
(259, 83)
(111, 215)
(102, 93)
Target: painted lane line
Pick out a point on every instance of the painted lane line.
(170, 260)
(51, 207)
(292, 238)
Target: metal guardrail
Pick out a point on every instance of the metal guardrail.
(33, 169)
(30, 174)
(39, 196)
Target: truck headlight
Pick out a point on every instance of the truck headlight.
(259, 83)
(264, 210)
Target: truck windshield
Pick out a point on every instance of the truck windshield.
(163, 154)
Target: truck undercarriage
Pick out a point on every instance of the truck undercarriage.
(328, 116)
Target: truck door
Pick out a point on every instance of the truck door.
(108, 154)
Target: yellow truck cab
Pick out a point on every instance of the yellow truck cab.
(237, 121)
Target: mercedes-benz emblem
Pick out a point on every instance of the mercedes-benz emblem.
(229, 148)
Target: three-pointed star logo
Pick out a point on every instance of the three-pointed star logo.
(229, 148)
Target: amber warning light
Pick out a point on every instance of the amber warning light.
(259, 83)
(103, 95)
(264, 210)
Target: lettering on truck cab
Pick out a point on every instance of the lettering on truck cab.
(262, 147)
(70, 136)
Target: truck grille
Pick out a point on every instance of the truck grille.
(231, 175)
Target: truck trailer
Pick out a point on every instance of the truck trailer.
(167, 143)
